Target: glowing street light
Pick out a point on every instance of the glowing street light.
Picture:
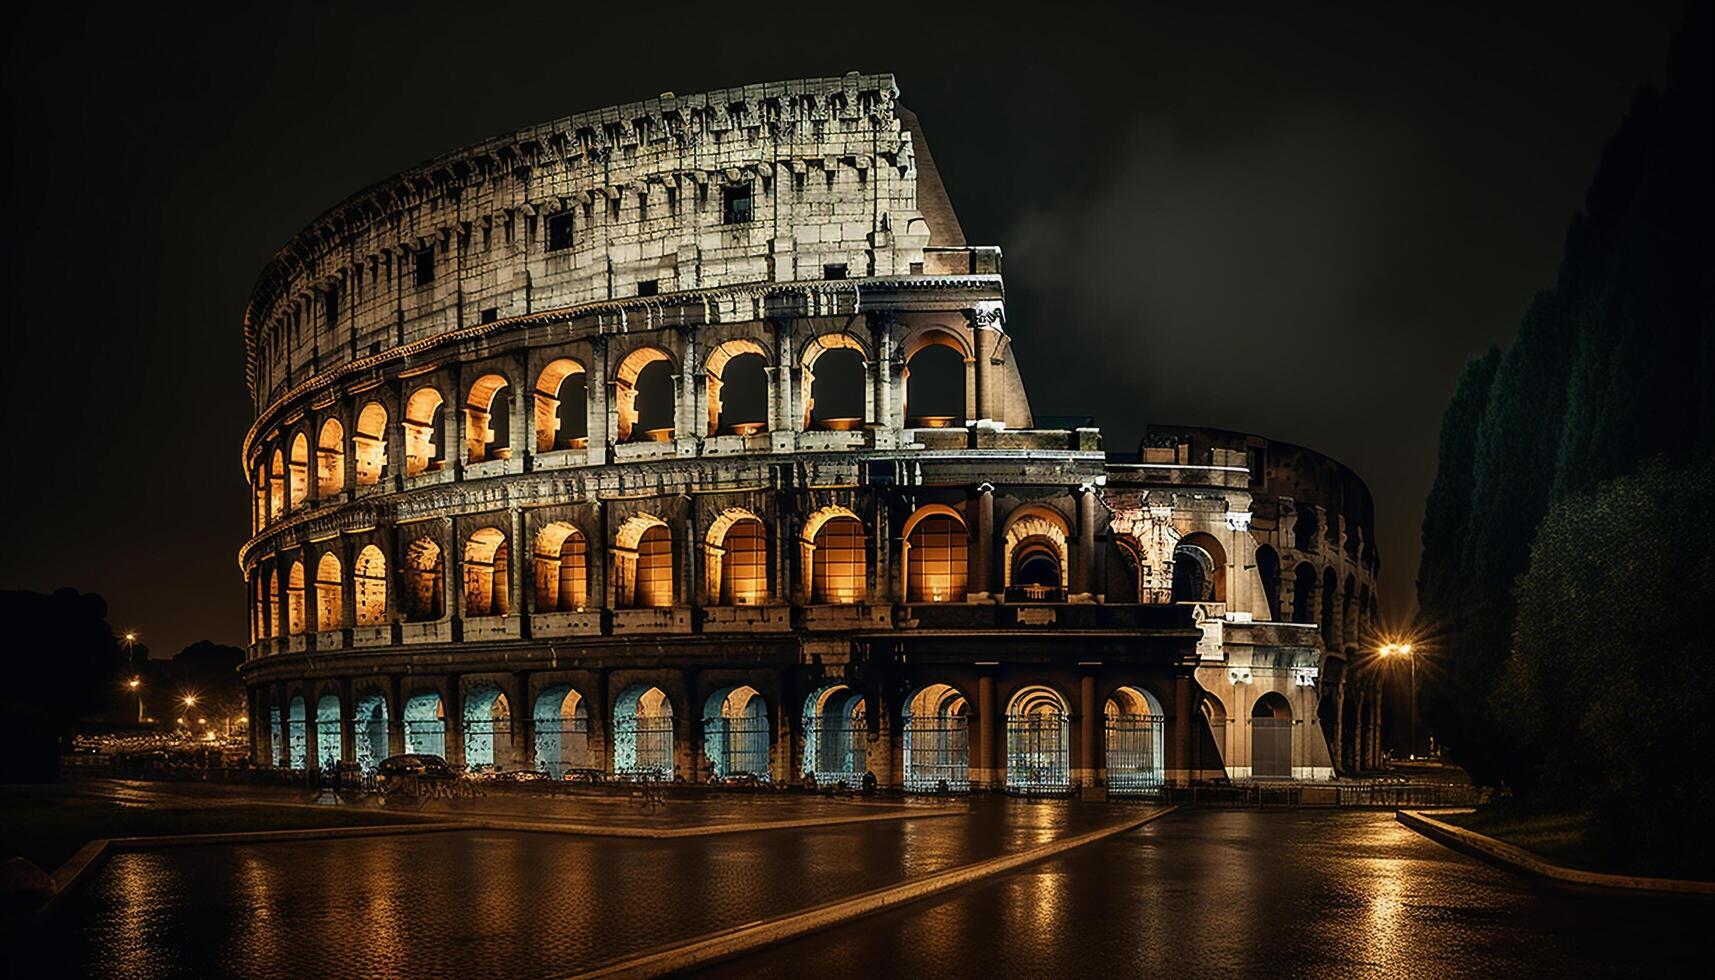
(1403, 649)
(136, 686)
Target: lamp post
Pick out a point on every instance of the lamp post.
(136, 686)
(1404, 650)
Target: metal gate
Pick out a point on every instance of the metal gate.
(737, 746)
(480, 739)
(937, 750)
(327, 742)
(1037, 753)
(835, 751)
(1134, 754)
(371, 747)
(1271, 748)
(297, 744)
(427, 737)
(562, 745)
(643, 747)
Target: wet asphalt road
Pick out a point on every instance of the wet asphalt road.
(1199, 893)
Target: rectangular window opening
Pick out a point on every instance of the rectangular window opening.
(559, 231)
(735, 204)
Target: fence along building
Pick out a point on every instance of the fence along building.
(686, 438)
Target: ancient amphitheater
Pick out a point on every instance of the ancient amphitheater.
(686, 438)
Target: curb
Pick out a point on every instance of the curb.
(747, 938)
(700, 830)
(1518, 859)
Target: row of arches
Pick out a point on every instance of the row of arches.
(646, 391)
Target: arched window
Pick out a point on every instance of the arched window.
(643, 743)
(369, 581)
(277, 485)
(330, 459)
(937, 740)
(273, 576)
(295, 599)
(1329, 623)
(562, 406)
(1199, 569)
(1268, 569)
(1135, 742)
(836, 746)
(488, 420)
(654, 569)
(736, 733)
(643, 396)
(737, 559)
(1304, 593)
(298, 482)
(369, 445)
(935, 558)
(562, 725)
(425, 577)
(1038, 742)
(738, 389)
(488, 730)
(935, 384)
(1271, 737)
(1304, 529)
(328, 588)
(839, 561)
(425, 432)
(835, 383)
(562, 579)
(1034, 555)
(487, 574)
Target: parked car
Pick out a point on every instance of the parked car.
(397, 769)
(584, 776)
(511, 775)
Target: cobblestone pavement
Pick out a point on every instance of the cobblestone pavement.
(1249, 893)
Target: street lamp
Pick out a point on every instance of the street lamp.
(136, 686)
(1404, 650)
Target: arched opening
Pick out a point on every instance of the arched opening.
(330, 459)
(488, 419)
(276, 733)
(1268, 569)
(643, 563)
(1304, 593)
(562, 724)
(488, 730)
(369, 446)
(425, 578)
(297, 734)
(425, 432)
(836, 554)
(936, 548)
(562, 406)
(1034, 556)
(735, 733)
(835, 736)
(562, 576)
(1271, 737)
(298, 482)
(426, 724)
(937, 741)
(259, 509)
(643, 734)
(835, 372)
(295, 619)
(1038, 742)
(328, 747)
(643, 396)
(1330, 625)
(329, 582)
(935, 386)
(1199, 569)
(487, 574)
(737, 560)
(1304, 530)
(1136, 737)
(369, 727)
(273, 595)
(369, 583)
(276, 485)
(738, 389)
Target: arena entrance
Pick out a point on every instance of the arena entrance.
(1271, 738)
(369, 725)
(328, 747)
(426, 725)
(937, 741)
(735, 733)
(1037, 743)
(297, 735)
(1136, 728)
(835, 732)
(562, 725)
(643, 734)
(488, 730)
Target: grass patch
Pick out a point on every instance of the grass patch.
(47, 824)
(1557, 836)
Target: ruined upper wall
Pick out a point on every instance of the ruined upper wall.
(636, 199)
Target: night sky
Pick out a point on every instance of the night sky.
(1293, 222)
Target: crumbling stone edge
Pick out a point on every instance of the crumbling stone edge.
(747, 938)
(1518, 859)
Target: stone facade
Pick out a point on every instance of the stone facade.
(506, 504)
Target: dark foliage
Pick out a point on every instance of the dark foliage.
(64, 662)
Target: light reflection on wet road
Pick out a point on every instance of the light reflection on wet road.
(1199, 893)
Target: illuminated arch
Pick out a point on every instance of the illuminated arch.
(643, 563)
(298, 480)
(330, 584)
(330, 459)
(488, 419)
(424, 427)
(1199, 569)
(562, 568)
(369, 445)
(937, 740)
(295, 618)
(626, 390)
(487, 574)
(848, 366)
(833, 555)
(716, 366)
(488, 729)
(735, 559)
(1038, 741)
(643, 742)
(277, 484)
(562, 725)
(369, 584)
(1035, 533)
(835, 736)
(425, 578)
(937, 552)
(562, 400)
(1136, 741)
(736, 736)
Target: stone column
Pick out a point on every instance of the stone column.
(347, 723)
(599, 422)
(523, 732)
(983, 775)
(395, 718)
(1083, 568)
(982, 556)
(1340, 722)
(452, 705)
(1182, 729)
(1091, 773)
(312, 746)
